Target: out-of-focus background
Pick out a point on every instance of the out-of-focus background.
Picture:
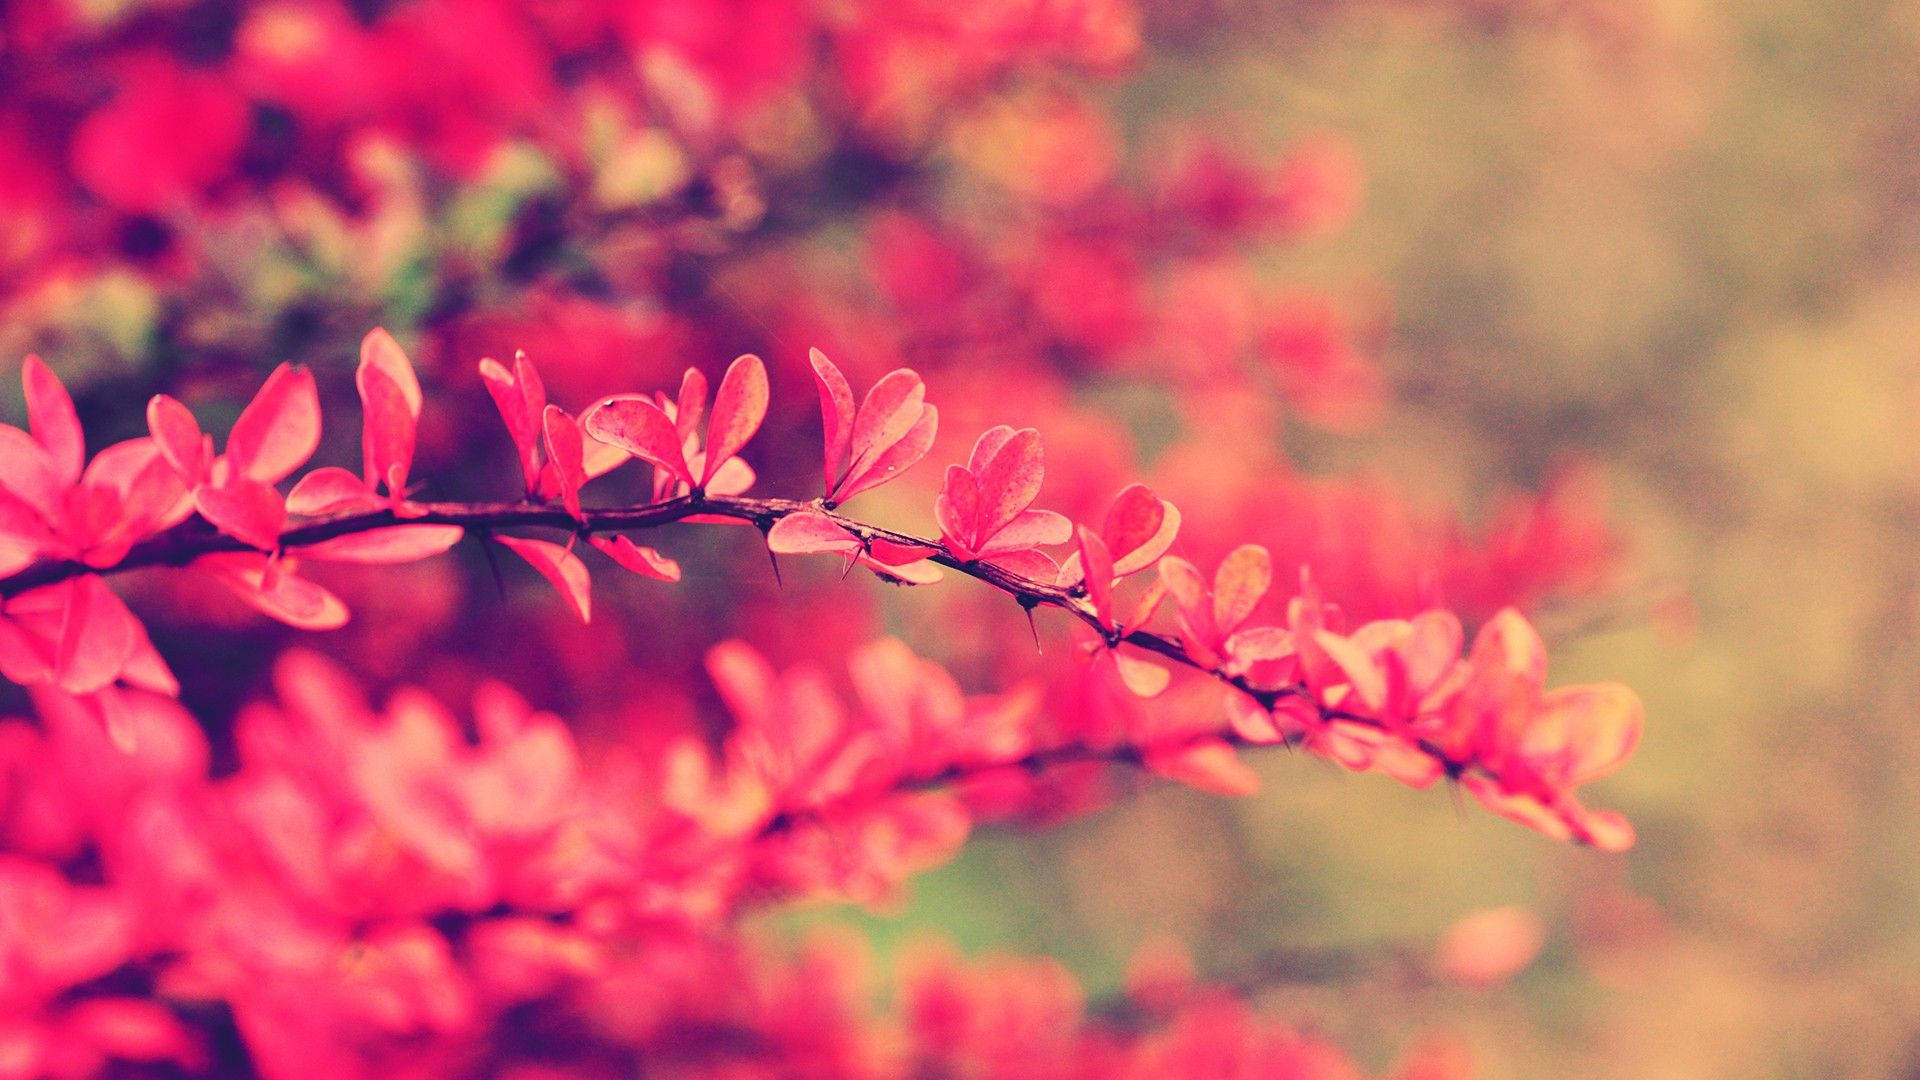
(1611, 309)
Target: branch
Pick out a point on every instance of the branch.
(182, 544)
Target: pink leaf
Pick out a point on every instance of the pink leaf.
(1140, 527)
(1031, 528)
(691, 404)
(561, 567)
(1009, 480)
(28, 471)
(891, 409)
(521, 399)
(895, 459)
(178, 436)
(97, 635)
(807, 533)
(1243, 579)
(279, 429)
(957, 509)
(1210, 765)
(1142, 678)
(330, 490)
(392, 544)
(638, 427)
(738, 408)
(1099, 575)
(387, 429)
(280, 594)
(641, 560)
(50, 413)
(246, 510)
(566, 455)
(378, 350)
(836, 414)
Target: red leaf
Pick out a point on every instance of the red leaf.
(641, 560)
(738, 408)
(836, 415)
(280, 594)
(178, 436)
(392, 544)
(561, 567)
(330, 490)
(246, 510)
(279, 429)
(565, 455)
(55, 425)
(637, 425)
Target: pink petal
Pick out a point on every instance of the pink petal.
(836, 414)
(279, 429)
(250, 512)
(55, 425)
(1242, 580)
(637, 426)
(738, 408)
(330, 490)
(561, 567)
(392, 544)
(641, 560)
(809, 534)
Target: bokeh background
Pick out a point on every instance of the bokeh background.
(1608, 308)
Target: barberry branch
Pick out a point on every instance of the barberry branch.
(182, 544)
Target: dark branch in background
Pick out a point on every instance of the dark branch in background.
(193, 538)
